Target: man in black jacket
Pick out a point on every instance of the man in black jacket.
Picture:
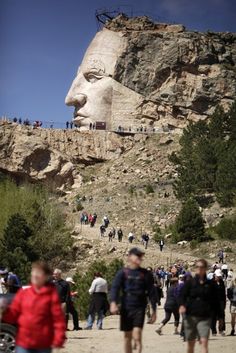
(136, 285)
(198, 304)
(219, 314)
(63, 288)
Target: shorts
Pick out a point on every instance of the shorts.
(196, 327)
(232, 309)
(131, 318)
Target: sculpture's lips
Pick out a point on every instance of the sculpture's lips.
(79, 117)
(82, 120)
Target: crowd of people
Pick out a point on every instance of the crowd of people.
(69, 124)
(116, 233)
(196, 299)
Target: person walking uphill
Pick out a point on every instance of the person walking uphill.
(171, 306)
(99, 303)
(136, 285)
(198, 304)
(37, 313)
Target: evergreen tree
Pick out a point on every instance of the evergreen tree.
(189, 224)
(206, 161)
(17, 252)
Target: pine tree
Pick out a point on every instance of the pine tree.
(17, 252)
(189, 224)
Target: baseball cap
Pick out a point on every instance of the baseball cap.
(136, 251)
(218, 273)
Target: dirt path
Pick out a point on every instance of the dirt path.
(153, 255)
(110, 340)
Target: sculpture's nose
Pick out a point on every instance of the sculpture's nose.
(75, 99)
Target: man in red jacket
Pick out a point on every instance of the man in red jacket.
(37, 313)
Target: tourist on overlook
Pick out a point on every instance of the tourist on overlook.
(67, 124)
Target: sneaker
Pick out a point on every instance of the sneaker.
(88, 328)
(158, 331)
(232, 333)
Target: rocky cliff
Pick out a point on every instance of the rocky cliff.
(56, 156)
(182, 75)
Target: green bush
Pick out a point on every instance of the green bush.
(157, 236)
(84, 280)
(79, 206)
(149, 189)
(226, 229)
(189, 224)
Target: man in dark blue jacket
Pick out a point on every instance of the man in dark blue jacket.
(136, 286)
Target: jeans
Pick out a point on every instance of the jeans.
(91, 320)
(24, 350)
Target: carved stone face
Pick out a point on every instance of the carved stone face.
(94, 93)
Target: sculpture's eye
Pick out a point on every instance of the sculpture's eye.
(93, 77)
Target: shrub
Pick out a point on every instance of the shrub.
(157, 233)
(131, 189)
(226, 229)
(149, 189)
(79, 206)
(84, 280)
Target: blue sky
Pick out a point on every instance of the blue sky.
(42, 43)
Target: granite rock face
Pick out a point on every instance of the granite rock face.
(181, 75)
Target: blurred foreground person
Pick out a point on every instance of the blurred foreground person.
(37, 313)
(136, 285)
(198, 304)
